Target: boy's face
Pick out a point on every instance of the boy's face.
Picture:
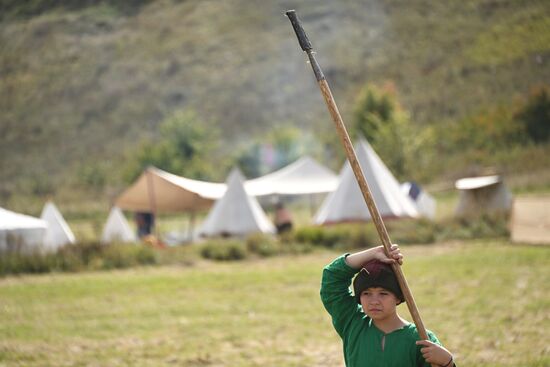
(379, 303)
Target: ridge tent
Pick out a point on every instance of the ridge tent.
(58, 233)
(236, 213)
(482, 195)
(304, 176)
(346, 203)
(425, 203)
(117, 228)
(21, 233)
(157, 191)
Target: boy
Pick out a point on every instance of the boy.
(372, 331)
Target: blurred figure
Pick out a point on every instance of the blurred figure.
(145, 222)
(283, 218)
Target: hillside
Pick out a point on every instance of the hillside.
(85, 81)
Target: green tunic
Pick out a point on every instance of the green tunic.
(362, 339)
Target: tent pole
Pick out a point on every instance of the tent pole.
(152, 201)
(305, 44)
(191, 226)
(311, 205)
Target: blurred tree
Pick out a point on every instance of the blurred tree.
(490, 129)
(535, 115)
(374, 108)
(186, 147)
(249, 160)
(286, 142)
(93, 175)
(281, 146)
(381, 120)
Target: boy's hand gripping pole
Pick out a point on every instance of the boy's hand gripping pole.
(305, 44)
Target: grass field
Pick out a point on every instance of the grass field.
(488, 302)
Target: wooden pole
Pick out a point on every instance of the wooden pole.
(352, 158)
(152, 200)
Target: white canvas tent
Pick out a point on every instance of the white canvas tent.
(482, 195)
(304, 176)
(21, 233)
(117, 228)
(157, 191)
(236, 213)
(424, 202)
(58, 233)
(347, 203)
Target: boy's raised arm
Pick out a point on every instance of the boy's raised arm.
(358, 259)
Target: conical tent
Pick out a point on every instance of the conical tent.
(424, 202)
(347, 202)
(236, 213)
(58, 233)
(21, 233)
(117, 228)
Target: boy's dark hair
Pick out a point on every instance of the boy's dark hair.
(376, 274)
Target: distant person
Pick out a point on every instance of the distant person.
(144, 222)
(283, 219)
(372, 331)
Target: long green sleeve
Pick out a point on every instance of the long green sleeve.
(362, 340)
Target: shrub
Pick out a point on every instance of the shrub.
(363, 235)
(124, 256)
(296, 248)
(224, 250)
(535, 115)
(312, 235)
(413, 231)
(262, 245)
(17, 263)
(481, 226)
(340, 236)
(78, 257)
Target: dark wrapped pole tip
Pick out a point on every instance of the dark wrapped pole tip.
(300, 33)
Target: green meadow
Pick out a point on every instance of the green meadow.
(488, 302)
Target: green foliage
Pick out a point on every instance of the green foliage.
(79, 257)
(524, 33)
(30, 8)
(489, 130)
(125, 256)
(105, 74)
(279, 147)
(93, 176)
(186, 147)
(535, 115)
(39, 186)
(262, 245)
(375, 108)
(411, 231)
(500, 136)
(249, 160)
(28, 263)
(345, 236)
(254, 245)
(419, 231)
(224, 250)
(404, 148)
(472, 227)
